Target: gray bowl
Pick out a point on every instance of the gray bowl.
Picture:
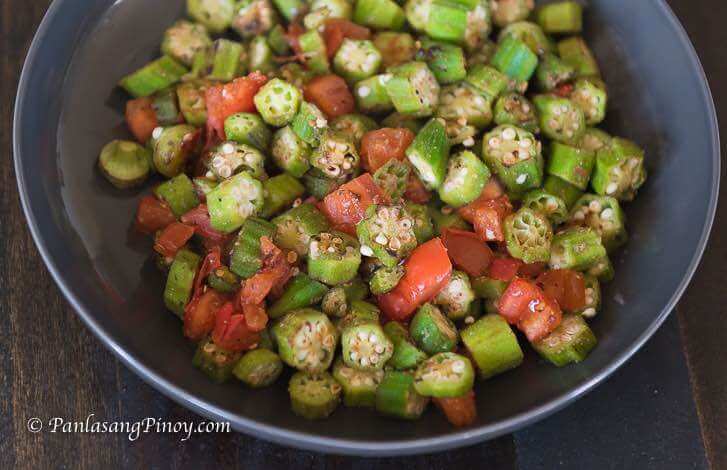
(67, 108)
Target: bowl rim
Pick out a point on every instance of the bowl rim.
(313, 442)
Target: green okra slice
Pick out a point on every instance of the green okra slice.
(295, 227)
(447, 21)
(492, 345)
(266, 340)
(602, 270)
(446, 61)
(603, 214)
(356, 289)
(445, 217)
(571, 164)
(474, 312)
(260, 55)
(359, 313)
(319, 185)
(466, 178)
(550, 205)
(619, 170)
(456, 297)
(278, 40)
(309, 123)
(230, 158)
(429, 153)
(314, 395)
(576, 248)
(216, 363)
(417, 13)
(397, 397)
(180, 281)
(575, 52)
(359, 386)
(192, 103)
(516, 110)
(413, 89)
(406, 121)
(278, 102)
(528, 235)
(183, 39)
(552, 72)
(321, 10)
(481, 55)
(385, 279)
(246, 258)
(515, 59)
(396, 48)
(570, 342)
(253, 18)
(392, 178)
(165, 107)
(491, 307)
(590, 95)
(560, 118)
(423, 225)
(219, 61)
(379, 14)
(223, 280)
(290, 153)
(172, 148)
(565, 17)
(593, 297)
(290, 9)
(354, 125)
(334, 303)
(258, 368)
(248, 129)
(233, 201)
(179, 194)
(281, 192)
(387, 233)
(336, 156)
(215, 15)
(406, 355)
(505, 12)
(204, 185)
(365, 347)
(371, 95)
(432, 331)
(155, 76)
(514, 155)
(333, 258)
(478, 27)
(594, 139)
(487, 81)
(562, 189)
(444, 375)
(301, 292)
(464, 111)
(529, 33)
(293, 73)
(306, 340)
(124, 163)
(488, 288)
(313, 48)
(356, 60)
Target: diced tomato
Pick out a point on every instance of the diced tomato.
(460, 411)
(524, 304)
(211, 261)
(427, 271)
(415, 191)
(346, 206)
(504, 268)
(335, 30)
(255, 317)
(230, 98)
(331, 94)
(382, 145)
(488, 216)
(564, 90)
(231, 331)
(544, 317)
(566, 286)
(467, 251)
(153, 215)
(295, 30)
(172, 238)
(141, 118)
(276, 271)
(200, 314)
(199, 218)
(532, 270)
(514, 301)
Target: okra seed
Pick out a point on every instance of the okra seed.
(590, 312)
(611, 188)
(594, 206)
(607, 213)
(468, 142)
(364, 91)
(364, 361)
(521, 179)
(374, 359)
(228, 148)
(157, 132)
(458, 367)
(494, 142)
(379, 348)
(366, 250)
(381, 239)
(469, 320)
(509, 134)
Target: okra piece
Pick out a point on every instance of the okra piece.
(553, 207)
(395, 120)
(301, 292)
(314, 395)
(571, 164)
(215, 15)
(514, 155)
(464, 111)
(516, 110)
(562, 189)
(385, 279)
(309, 123)
(552, 72)
(423, 225)
(266, 340)
(479, 26)
(446, 61)
(223, 280)
(359, 313)
(336, 156)
(306, 340)
(281, 191)
(230, 158)
(560, 17)
(334, 302)
(290, 153)
(432, 331)
(444, 375)
(356, 289)
(505, 12)
(293, 73)
(466, 178)
(529, 33)
(321, 10)
(604, 215)
(172, 148)
(515, 59)
(179, 194)
(429, 153)
(447, 21)
(359, 386)
(180, 281)
(245, 258)
(124, 163)
(313, 48)
(258, 368)
(379, 14)
(248, 129)
(278, 40)
(482, 54)
(183, 39)
(219, 61)
(204, 185)
(354, 125)
(406, 354)
(253, 18)
(215, 362)
(594, 139)
(356, 60)
(365, 347)
(417, 13)
(233, 201)
(387, 233)
(619, 170)
(393, 178)
(155, 76)
(492, 345)
(491, 307)
(445, 217)
(575, 52)
(397, 397)
(570, 343)
(593, 298)
(488, 81)
(456, 297)
(278, 102)
(395, 48)
(413, 89)
(290, 9)
(318, 184)
(260, 55)
(296, 227)
(192, 102)
(590, 95)
(528, 235)
(560, 118)
(165, 107)
(576, 248)
(488, 288)
(602, 270)
(333, 258)
(371, 95)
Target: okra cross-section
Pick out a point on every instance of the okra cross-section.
(306, 340)
(571, 342)
(124, 163)
(413, 89)
(552, 72)
(258, 368)
(505, 12)
(444, 375)
(278, 102)
(230, 158)
(385, 279)
(590, 95)
(356, 60)
(233, 201)
(359, 386)
(464, 111)
(393, 178)
(619, 170)
(173, 147)
(479, 26)
(429, 153)
(333, 258)
(516, 110)
(314, 395)
(515, 156)
(217, 363)
(296, 227)
(576, 248)
(466, 177)
(215, 15)
(604, 215)
(529, 33)
(456, 297)
(387, 233)
(253, 18)
(432, 331)
(365, 346)
(184, 39)
(529, 236)
(354, 125)
(593, 297)
(248, 129)
(336, 156)
(290, 153)
(550, 205)
(560, 118)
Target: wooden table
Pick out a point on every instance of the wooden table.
(665, 409)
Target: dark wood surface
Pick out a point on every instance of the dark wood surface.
(665, 409)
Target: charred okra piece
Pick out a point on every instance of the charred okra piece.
(604, 215)
(293, 73)
(423, 225)
(464, 111)
(278, 102)
(552, 72)
(505, 12)
(290, 153)
(429, 153)
(561, 17)
(180, 281)
(528, 235)
(230, 158)
(553, 207)
(215, 362)
(560, 118)
(514, 155)
(393, 178)
(253, 18)
(529, 33)
(248, 129)
(356, 60)
(365, 346)
(562, 189)
(313, 48)
(444, 375)
(379, 14)
(492, 345)
(155, 76)
(309, 123)
(413, 89)
(301, 292)
(387, 233)
(258, 368)
(594, 139)
(281, 191)
(487, 81)
(359, 386)
(406, 354)
(336, 156)
(219, 61)
(446, 61)
(314, 395)
(385, 279)
(575, 52)
(466, 177)
(432, 331)
(397, 397)
(124, 163)
(590, 95)
(179, 194)
(515, 59)
(371, 95)
(354, 125)
(576, 248)
(183, 39)
(333, 258)
(456, 297)
(245, 258)
(173, 147)
(396, 48)
(192, 103)
(296, 227)
(306, 340)
(516, 110)
(593, 298)
(447, 21)
(571, 164)
(233, 201)
(571, 342)
(619, 170)
(215, 15)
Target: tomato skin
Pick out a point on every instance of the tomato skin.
(331, 94)
(346, 206)
(460, 411)
(514, 301)
(152, 215)
(335, 30)
(275, 272)
(382, 145)
(532, 270)
(545, 318)
(488, 217)
(200, 314)
(172, 238)
(535, 313)
(141, 118)
(467, 251)
(566, 286)
(211, 261)
(504, 268)
(427, 271)
(199, 218)
(231, 331)
(230, 98)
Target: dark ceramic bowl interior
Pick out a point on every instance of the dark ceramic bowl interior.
(68, 108)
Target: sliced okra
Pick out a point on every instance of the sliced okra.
(575, 52)
(514, 155)
(447, 21)
(356, 60)
(216, 363)
(594, 139)
(313, 48)
(562, 189)
(204, 185)
(359, 386)
(245, 258)
(491, 307)
(321, 10)
(550, 205)
(603, 214)
(445, 217)
(619, 170)
(289, 152)
(180, 281)
(387, 233)
(590, 95)
(371, 95)
(278, 102)
(593, 297)
(413, 89)
(179, 194)
(248, 129)
(406, 354)
(417, 13)
(528, 235)
(379, 14)
(560, 118)
(464, 111)
(290, 9)
(479, 26)
(446, 61)
(529, 33)
(336, 156)
(192, 103)
(260, 55)
(423, 225)
(296, 227)
(173, 147)
(306, 340)
(333, 258)
(258, 368)
(456, 297)
(488, 288)
(266, 340)
(230, 158)
(356, 289)
(429, 153)
(334, 303)
(397, 397)
(354, 125)
(253, 18)
(570, 342)
(155, 76)
(365, 347)
(215, 15)
(314, 395)
(602, 270)
(552, 72)
(396, 48)
(505, 12)
(301, 292)
(515, 59)
(309, 123)
(466, 178)
(576, 248)
(385, 279)
(233, 201)
(397, 120)
(124, 163)
(492, 345)
(487, 81)
(223, 280)
(221, 60)
(444, 375)
(165, 107)
(359, 313)
(432, 331)
(278, 40)
(564, 17)
(482, 54)
(318, 184)
(516, 110)
(281, 191)
(293, 73)
(183, 39)
(571, 164)
(392, 178)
